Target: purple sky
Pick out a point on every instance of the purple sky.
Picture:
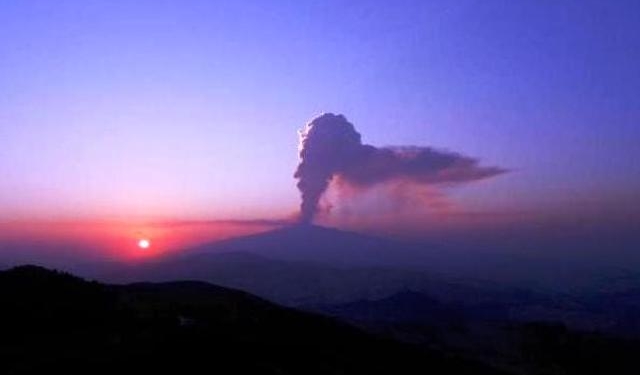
(189, 109)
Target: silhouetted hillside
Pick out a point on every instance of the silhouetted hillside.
(56, 323)
(292, 283)
(404, 307)
(491, 337)
(295, 265)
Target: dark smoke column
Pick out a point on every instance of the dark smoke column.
(330, 146)
(327, 144)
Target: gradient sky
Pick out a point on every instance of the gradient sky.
(189, 109)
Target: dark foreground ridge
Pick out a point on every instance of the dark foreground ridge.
(54, 322)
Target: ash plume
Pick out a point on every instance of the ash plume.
(331, 147)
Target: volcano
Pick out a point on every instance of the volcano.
(312, 243)
(293, 265)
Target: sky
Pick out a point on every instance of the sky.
(189, 110)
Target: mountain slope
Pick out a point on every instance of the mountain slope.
(531, 347)
(321, 245)
(303, 265)
(295, 265)
(54, 322)
(292, 283)
(406, 307)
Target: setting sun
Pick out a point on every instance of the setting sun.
(144, 243)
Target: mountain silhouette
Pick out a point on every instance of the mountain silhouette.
(406, 307)
(303, 265)
(305, 242)
(295, 265)
(58, 323)
(475, 331)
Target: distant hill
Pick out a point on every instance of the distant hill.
(343, 249)
(295, 265)
(285, 266)
(403, 307)
(292, 283)
(485, 332)
(297, 283)
(53, 322)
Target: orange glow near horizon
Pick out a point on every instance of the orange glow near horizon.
(117, 240)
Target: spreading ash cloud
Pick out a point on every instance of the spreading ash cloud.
(330, 147)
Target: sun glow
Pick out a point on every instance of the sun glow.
(144, 243)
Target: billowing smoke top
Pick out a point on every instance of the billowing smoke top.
(330, 146)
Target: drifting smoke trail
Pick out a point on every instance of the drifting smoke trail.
(331, 147)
